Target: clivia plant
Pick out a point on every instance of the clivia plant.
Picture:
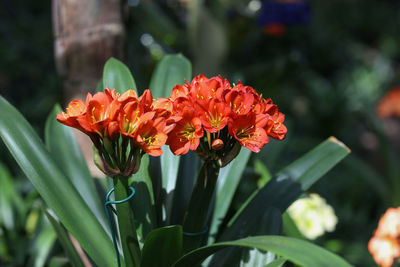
(175, 155)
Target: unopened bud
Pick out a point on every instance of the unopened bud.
(217, 144)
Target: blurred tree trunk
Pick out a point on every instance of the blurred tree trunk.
(87, 33)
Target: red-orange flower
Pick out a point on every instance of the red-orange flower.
(186, 134)
(212, 116)
(101, 110)
(151, 136)
(75, 109)
(203, 89)
(121, 126)
(240, 101)
(249, 131)
(275, 127)
(130, 117)
(384, 245)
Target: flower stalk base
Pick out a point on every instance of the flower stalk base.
(127, 229)
(199, 204)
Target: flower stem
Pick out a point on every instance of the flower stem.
(199, 204)
(127, 229)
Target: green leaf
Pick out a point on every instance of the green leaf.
(99, 86)
(171, 70)
(59, 262)
(290, 228)
(54, 187)
(66, 152)
(189, 168)
(64, 239)
(163, 247)
(276, 263)
(263, 171)
(12, 206)
(195, 219)
(42, 244)
(313, 165)
(297, 251)
(227, 183)
(116, 75)
(284, 189)
(169, 172)
(143, 201)
(255, 257)
(271, 224)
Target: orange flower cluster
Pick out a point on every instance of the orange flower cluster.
(385, 245)
(115, 122)
(215, 118)
(389, 105)
(207, 115)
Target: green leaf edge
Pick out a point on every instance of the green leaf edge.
(280, 245)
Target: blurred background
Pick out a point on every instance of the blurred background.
(325, 63)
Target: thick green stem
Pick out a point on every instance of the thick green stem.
(127, 229)
(199, 204)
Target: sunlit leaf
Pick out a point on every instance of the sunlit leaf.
(297, 251)
(271, 224)
(170, 71)
(116, 75)
(283, 190)
(67, 154)
(54, 187)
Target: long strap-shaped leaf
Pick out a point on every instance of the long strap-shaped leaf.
(298, 251)
(227, 184)
(56, 190)
(116, 75)
(289, 184)
(66, 153)
(64, 240)
(143, 202)
(282, 190)
(171, 70)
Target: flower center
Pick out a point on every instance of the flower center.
(150, 140)
(99, 114)
(187, 133)
(245, 132)
(130, 126)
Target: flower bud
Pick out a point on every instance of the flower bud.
(217, 144)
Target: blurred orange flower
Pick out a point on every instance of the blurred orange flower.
(384, 245)
(389, 105)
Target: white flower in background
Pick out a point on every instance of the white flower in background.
(313, 216)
